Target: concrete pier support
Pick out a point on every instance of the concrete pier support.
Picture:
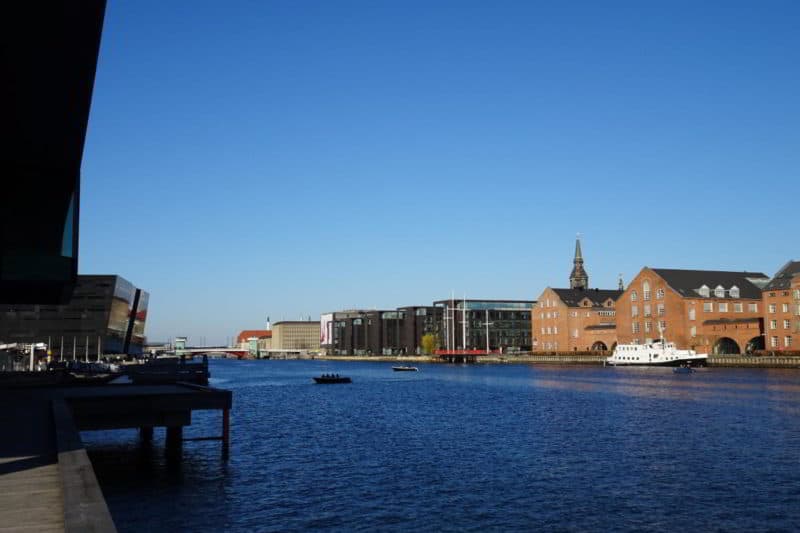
(146, 434)
(174, 440)
(226, 432)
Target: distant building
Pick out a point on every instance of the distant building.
(577, 318)
(105, 314)
(380, 332)
(711, 311)
(256, 341)
(296, 335)
(781, 309)
(508, 323)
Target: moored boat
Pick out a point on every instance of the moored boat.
(656, 353)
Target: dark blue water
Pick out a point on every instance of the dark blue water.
(454, 448)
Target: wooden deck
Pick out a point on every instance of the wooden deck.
(46, 480)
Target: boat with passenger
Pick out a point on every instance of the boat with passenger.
(328, 379)
(655, 353)
(404, 368)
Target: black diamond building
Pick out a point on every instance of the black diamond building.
(105, 314)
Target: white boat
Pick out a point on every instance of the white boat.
(656, 353)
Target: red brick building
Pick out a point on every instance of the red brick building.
(709, 311)
(577, 318)
(781, 308)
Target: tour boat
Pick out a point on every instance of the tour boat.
(405, 369)
(656, 353)
(328, 379)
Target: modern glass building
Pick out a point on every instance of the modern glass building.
(106, 314)
(48, 62)
(508, 323)
(400, 332)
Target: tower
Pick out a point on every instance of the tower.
(578, 278)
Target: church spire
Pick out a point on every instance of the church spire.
(578, 278)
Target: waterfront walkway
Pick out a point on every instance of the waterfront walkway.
(47, 482)
(30, 487)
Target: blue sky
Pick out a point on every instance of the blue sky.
(254, 159)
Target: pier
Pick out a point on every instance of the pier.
(46, 478)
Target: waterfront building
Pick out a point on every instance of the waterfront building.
(465, 324)
(781, 309)
(290, 335)
(577, 318)
(364, 332)
(710, 311)
(420, 321)
(400, 331)
(49, 61)
(256, 341)
(105, 314)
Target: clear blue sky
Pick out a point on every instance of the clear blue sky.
(247, 159)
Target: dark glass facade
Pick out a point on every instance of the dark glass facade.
(509, 324)
(48, 63)
(105, 313)
(400, 332)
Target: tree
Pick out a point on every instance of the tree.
(430, 343)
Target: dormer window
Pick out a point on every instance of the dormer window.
(734, 292)
(719, 292)
(704, 291)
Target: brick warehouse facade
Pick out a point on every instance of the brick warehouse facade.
(781, 309)
(575, 320)
(706, 310)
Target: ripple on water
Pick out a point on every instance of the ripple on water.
(466, 448)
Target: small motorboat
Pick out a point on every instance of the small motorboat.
(405, 368)
(328, 379)
(683, 370)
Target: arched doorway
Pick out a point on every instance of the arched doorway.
(725, 346)
(599, 346)
(756, 343)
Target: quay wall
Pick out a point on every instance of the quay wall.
(571, 358)
(769, 361)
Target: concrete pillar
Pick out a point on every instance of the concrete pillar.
(146, 433)
(174, 440)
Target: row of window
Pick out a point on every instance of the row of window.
(574, 314)
(773, 324)
(647, 310)
(648, 326)
(773, 308)
(787, 342)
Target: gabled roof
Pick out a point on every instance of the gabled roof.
(247, 333)
(686, 282)
(598, 297)
(783, 278)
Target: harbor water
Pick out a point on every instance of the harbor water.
(479, 447)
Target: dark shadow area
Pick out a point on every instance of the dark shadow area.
(48, 62)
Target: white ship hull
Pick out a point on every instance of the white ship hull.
(654, 354)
